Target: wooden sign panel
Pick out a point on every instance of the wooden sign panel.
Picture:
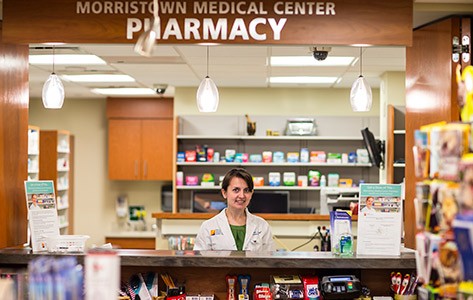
(319, 22)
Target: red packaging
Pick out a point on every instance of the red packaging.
(311, 287)
(262, 293)
(210, 154)
(191, 155)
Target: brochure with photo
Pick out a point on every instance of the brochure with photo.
(42, 213)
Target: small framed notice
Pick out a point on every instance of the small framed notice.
(42, 213)
(379, 220)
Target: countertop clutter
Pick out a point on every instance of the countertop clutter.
(205, 272)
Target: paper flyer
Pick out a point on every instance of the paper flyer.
(42, 213)
(379, 220)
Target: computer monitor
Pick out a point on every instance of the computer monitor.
(374, 147)
(271, 202)
(207, 201)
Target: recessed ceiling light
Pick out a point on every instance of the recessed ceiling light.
(123, 91)
(98, 78)
(66, 59)
(302, 79)
(309, 61)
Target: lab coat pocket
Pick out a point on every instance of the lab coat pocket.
(256, 243)
(218, 242)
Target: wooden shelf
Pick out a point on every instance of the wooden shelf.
(266, 138)
(286, 164)
(395, 144)
(58, 145)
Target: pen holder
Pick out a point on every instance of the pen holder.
(251, 128)
(405, 297)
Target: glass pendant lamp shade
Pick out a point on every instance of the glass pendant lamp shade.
(53, 92)
(145, 43)
(361, 97)
(147, 40)
(207, 96)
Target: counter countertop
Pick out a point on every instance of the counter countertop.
(280, 217)
(232, 259)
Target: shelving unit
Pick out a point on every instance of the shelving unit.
(56, 164)
(395, 160)
(33, 152)
(334, 136)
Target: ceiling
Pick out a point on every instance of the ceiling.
(229, 66)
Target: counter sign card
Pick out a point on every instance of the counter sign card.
(42, 213)
(379, 220)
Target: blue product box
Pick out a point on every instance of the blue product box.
(238, 158)
(278, 157)
(256, 158)
(181, 156)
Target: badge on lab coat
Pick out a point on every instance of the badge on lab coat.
(215, 232)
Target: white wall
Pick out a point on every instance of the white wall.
(276, 101)
(95, 195)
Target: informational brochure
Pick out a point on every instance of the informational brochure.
(42, 213)
(379, 220)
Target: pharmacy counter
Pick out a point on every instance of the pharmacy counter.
(290, 230)
(204, 271)
(132, 239)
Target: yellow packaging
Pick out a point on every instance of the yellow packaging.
(345, 182)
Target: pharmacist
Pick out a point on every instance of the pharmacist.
(235, 228)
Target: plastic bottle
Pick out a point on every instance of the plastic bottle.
(323, 181)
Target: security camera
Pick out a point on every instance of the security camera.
(160, 88)
(321, 53)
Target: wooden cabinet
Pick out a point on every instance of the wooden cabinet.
(140, 144)
(395, 161)
(56, 164)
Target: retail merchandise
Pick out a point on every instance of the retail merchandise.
(443, 209)
(204, 153)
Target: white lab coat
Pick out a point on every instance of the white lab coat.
(215, 234)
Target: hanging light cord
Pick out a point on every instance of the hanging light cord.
(155, 9)
(207, 61)
(361, 61)
(54, 47)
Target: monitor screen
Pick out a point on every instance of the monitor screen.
(374, 147)
(207, 201)
(271, 202)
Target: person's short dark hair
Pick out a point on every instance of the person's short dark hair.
(240, 173)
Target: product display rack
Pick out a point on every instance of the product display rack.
(33, 152)
(56, 164)
(329, 140)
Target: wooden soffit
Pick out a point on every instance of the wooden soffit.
(335, 22)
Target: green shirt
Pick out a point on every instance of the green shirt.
(239, 235)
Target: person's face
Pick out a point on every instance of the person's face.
(237, 194)
(369, 201)
(33, 198)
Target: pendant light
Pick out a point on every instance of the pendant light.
(207, 93)
(145, 43)
(361, 97)
(53, 91)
